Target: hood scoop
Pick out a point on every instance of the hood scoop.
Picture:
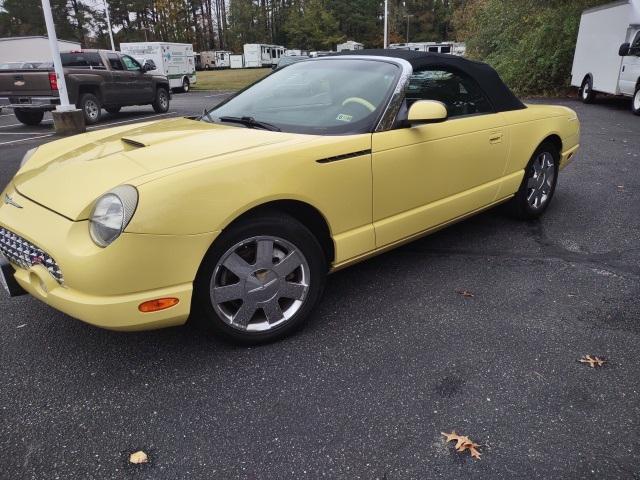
(133, 142)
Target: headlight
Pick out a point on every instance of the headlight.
(111, 214)
(27, 156)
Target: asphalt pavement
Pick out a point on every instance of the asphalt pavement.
(393, 356)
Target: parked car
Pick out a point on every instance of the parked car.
(239, 215)
(95, 79)
(607, 57)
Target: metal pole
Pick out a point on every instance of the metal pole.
(386, 23)
(106, 10)
(57, 63)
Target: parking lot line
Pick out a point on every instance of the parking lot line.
(26, 139)
(21, 124)
(137, 119)
(20, 133)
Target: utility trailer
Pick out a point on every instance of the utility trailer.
(607, 56)
(176, 61)
(258, 55)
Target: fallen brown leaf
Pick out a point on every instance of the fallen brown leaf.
(465, 293)
(463, 443)
(593, 361)
(138, 458)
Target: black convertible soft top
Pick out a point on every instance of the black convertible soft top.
(499, 94)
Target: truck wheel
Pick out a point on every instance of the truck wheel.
(161, 103)
(29, 117)
(113, 110)
(90, 106)
(635, 104)
(185, 85)
(587, 95)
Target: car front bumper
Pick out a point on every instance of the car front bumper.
(104, 287)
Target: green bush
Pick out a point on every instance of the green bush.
(531, 44)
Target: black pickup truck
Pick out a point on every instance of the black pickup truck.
(95, 79)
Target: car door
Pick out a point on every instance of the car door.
(140, 84)
(630, 72)
(427, 175)
(117, 92)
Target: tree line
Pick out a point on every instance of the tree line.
(530, 43)
(228, 24)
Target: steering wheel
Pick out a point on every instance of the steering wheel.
(360, 101)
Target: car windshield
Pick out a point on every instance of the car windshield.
(329, 96)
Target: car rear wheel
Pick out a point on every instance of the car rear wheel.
(186, 85)
(161, 103)
(113, 110)
(587, 95)
(635, 104)
(90, 106)
(29, 117)
(539, 183)
(261, 279)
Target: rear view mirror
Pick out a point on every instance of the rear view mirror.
(427, 111)
(148, 66)
(624, 49)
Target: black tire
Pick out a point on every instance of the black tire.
(91, 107)
(635, 102)
(29, 117)
(113, 110)
(186, 85)
(587, 95)
(161, 102)
(206, 67)
(520, 205)
(273, 224)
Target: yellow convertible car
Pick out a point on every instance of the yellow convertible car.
(238, 215)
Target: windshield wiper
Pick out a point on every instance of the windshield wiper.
(250, 122)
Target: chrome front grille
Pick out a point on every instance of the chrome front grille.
(25, 254)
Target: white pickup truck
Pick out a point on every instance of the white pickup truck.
(607, 58)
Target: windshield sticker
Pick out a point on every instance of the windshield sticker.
(344, 118)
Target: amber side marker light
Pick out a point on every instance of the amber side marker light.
(157, 305)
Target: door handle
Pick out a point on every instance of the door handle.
(495, 138)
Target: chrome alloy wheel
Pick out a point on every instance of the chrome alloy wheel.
(636, 101)
(540, 184)
(92, 109)
(259, 284)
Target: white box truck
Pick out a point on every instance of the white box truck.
(607, 57)
(258, 55)
(174, 60)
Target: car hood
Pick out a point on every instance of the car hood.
(69, 175)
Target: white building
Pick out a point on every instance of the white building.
(350, 45)
(31, 49)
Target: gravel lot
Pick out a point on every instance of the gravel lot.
(393, 356)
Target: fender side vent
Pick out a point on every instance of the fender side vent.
(346, 156)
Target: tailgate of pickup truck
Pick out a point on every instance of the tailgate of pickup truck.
(25, 83)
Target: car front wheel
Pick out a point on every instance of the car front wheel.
(161, 103)
(261, 279)
(539, 183)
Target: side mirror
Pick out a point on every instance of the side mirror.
(427, 111)
(624, 49)
(148, 66)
